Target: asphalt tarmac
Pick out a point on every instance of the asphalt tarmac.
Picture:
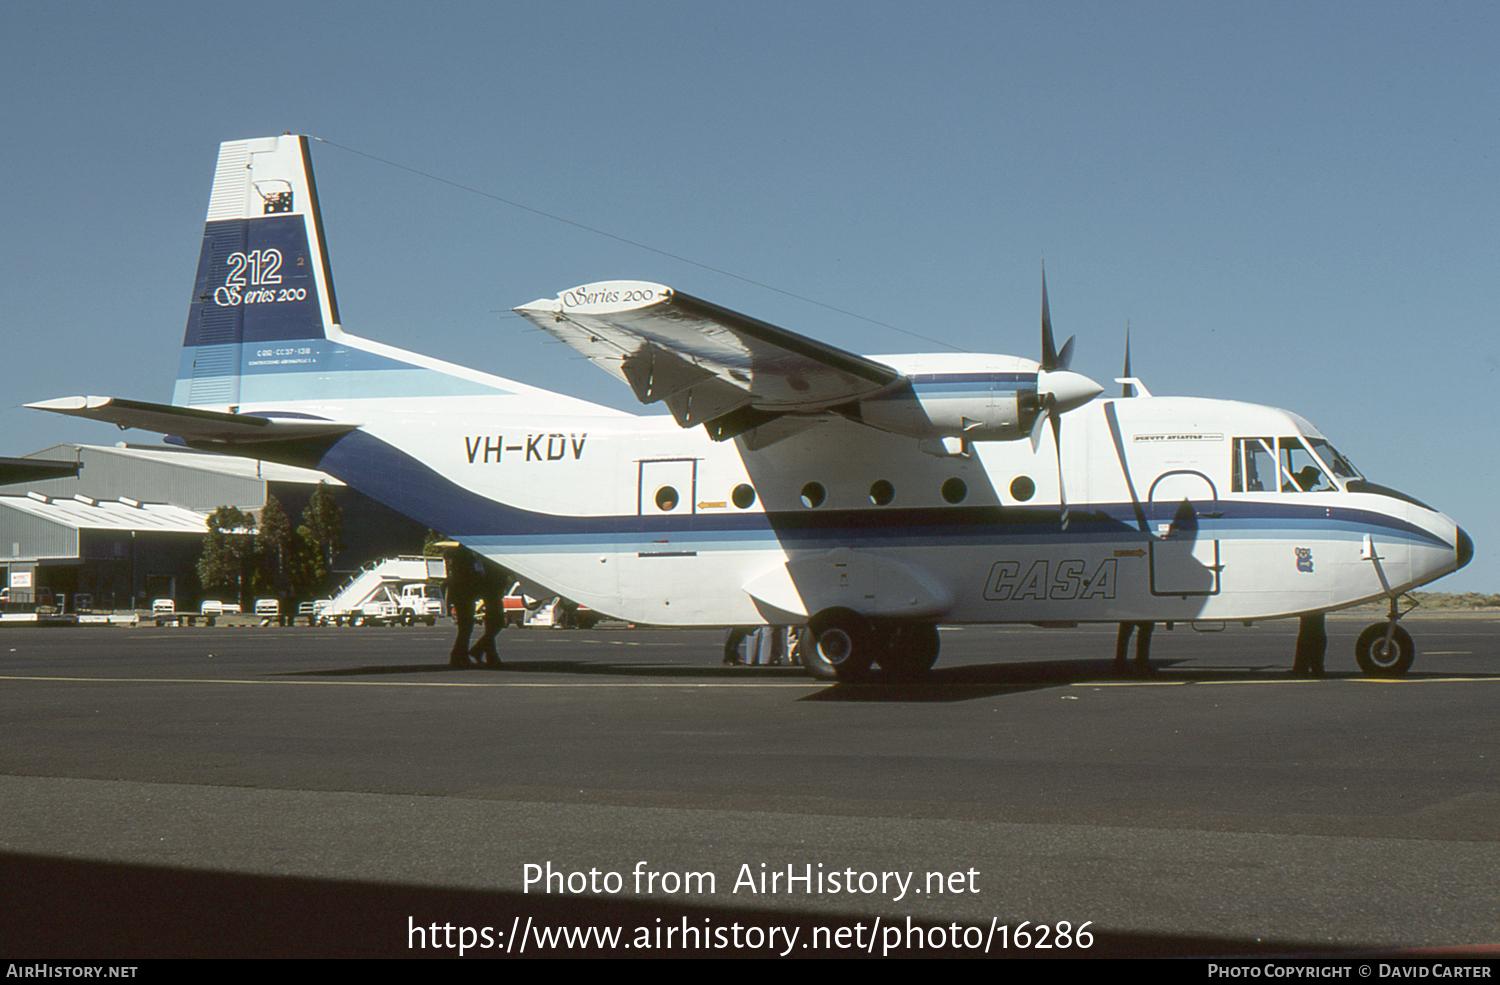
(342, 792)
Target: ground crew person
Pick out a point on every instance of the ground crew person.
(471, 578)
(1143, 666)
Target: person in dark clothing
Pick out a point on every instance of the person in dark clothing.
(734, 638)
(1143, 666)
(1312, 642)
(494, 582)
(471, 578)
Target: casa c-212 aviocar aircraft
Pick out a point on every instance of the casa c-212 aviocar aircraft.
(867, 498)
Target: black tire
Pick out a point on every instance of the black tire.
(911, 650)
(841, 647)
(807, 655)
(1377, 659)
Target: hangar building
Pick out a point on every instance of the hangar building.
(125, 523)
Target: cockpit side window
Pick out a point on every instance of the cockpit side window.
(1277, 465)
(1254, 465)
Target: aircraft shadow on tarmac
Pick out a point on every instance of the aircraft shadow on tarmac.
(941, 685)
(70, 908)
(971, 681)
(944, 684)
(580, 667)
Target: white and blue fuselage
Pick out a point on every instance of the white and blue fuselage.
(900, 489)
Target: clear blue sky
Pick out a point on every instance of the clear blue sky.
(1293, 204)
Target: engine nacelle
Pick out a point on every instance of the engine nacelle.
(975, 406)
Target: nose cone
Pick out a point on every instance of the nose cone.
(1068, 390)
(1464, 548)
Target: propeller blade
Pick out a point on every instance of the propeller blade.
(1062, 494)
(1066, 389)
(1059, 391)
(1066, 355)
(1049, 347)
(1036, 425)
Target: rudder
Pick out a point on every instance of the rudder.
(263, 297)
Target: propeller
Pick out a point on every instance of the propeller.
(1058, 391)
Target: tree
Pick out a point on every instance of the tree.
(318, 541)
(275, 545)
(226, 565)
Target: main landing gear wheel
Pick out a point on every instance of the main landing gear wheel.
(911, 650)
(841, 646)
(1377, 658)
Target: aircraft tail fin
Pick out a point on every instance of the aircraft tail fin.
(263, 326)
(263, 297)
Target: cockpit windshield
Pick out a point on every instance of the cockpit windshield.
(1331, 458)
(1299, 464)
(1291, 464)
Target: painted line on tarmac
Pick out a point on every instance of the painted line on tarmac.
(230, 680)
(1422, 680)
(1294, 680)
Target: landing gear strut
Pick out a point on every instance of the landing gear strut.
(1385, 649)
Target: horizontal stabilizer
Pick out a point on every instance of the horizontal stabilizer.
(194, 426)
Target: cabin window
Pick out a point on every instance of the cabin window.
(882, 492)
(743, 496)
(813, 495)
(1277, 465)
(666, 499)
(1022, 488)
(954, 490)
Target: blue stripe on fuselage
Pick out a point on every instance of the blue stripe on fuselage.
(408, 486)
(959, 385)
(1000, 380)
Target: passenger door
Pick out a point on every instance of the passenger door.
(1184, 550)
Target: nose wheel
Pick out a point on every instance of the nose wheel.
(1385, 649)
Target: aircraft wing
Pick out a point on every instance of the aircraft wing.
(709, 364)
(200, 428)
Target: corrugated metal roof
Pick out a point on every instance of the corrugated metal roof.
(81, 513)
